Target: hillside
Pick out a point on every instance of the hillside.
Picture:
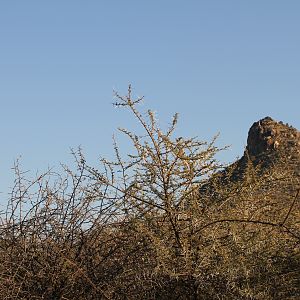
(269, 142)
(271, 146)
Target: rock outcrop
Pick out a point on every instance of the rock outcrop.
(268, 137)
(270, 144)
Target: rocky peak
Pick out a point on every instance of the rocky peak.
(270, 144)
(267, 137)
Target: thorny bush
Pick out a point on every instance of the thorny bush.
(147, 227)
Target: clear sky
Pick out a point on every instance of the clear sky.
(221, 64)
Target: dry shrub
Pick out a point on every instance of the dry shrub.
(167, 222)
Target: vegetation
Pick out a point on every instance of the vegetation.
(165, 222)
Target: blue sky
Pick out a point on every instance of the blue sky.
(221, 64)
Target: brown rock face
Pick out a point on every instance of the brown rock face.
(268, 136)
(269, 144)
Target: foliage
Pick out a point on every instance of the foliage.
(165, 222)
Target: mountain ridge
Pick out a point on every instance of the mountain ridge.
(271, 146)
